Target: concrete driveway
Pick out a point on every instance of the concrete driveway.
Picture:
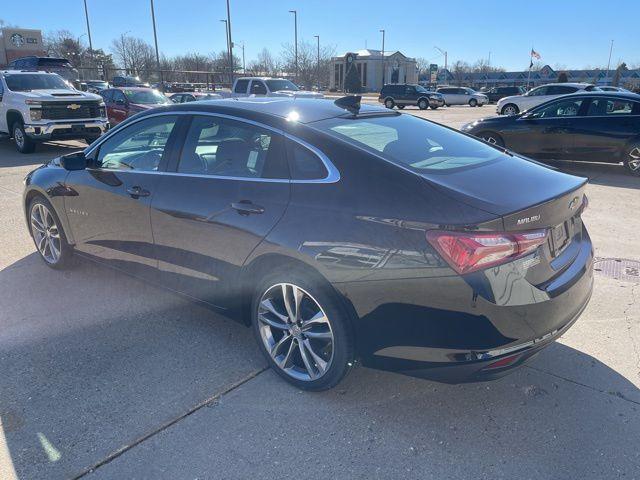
(103, 376)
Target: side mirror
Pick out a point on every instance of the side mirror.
(529, 115)
(74, 161)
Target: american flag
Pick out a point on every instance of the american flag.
(535, 54)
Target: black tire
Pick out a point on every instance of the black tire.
(63, 260)
(423, 104)
(23, 143)
(401, 107)
(433, 107)
(473, 102)
(492, 138)
(342, 344)
(389, 103)
(510, 107)
(632, 159)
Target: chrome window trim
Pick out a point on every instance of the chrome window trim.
(333, 175)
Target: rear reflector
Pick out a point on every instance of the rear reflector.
(470, 251)
(503, 362)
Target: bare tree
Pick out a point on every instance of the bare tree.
(91, 63)
(264, 64)
(308, 63)
(483, 66)
(134, 54)
(459, 69)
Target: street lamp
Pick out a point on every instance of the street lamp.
(86, 14)
(383, 72)
(230, 41)
(226, 32)
(244, 68)
(317, 37)
(445, 61)
(155, 39)
(295, 26)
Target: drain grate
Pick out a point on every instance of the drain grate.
(618, 268)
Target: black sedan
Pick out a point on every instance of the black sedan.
(338, 232)
(592, 126)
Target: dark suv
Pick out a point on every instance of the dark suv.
(496, 93)
(402, 94)
(61, 66)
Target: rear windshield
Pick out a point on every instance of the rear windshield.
(276, 85)
(24, 82)
(147, 97)
(411, 142)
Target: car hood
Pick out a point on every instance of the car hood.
(510, 183)
(144, 106)
(511, 98)
(298, 94)
(60, 94)
(497, 120)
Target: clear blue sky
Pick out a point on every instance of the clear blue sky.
(572, 33)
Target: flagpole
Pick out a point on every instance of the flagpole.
(530, 63)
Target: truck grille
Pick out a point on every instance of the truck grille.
(70, 110)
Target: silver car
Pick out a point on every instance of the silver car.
(463, 96)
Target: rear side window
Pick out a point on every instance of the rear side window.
(610, 106)
(560, 90)
(241, 86)
(226, 148)
(304, 164)
(411, 142)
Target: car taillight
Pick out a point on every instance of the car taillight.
(470, 251)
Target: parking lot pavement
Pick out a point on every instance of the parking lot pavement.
(106, 377)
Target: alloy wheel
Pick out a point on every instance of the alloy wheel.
(295, 331)
(509, 110)
(45, 233)
(18, 137)
(490, 140)
(634, 159)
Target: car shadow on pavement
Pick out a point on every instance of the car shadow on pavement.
(93, 360)
(44, 152)
(606, 174)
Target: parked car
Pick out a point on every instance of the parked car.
(536, 96)
(94, 86)
(342, 232)
(496, 93)
(123, 103)
(41, 106)
(268, 87)
(401, 95)
(594, 126)
(61, 66)
(128, 81)
(193, 96)
(462, 96)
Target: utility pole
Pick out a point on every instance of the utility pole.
(609, 62)
(445, 61)
(86, 14)
(317, 37)
(244, 67)
(226, 33)
(230, 41)
(295, 36)
(383, 72)
(155, 39)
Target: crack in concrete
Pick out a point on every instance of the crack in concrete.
(212, 400)
(575, 382)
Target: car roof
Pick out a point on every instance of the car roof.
(29, 72)
(307, 109)
(568, 84)
(604, 93)
(132, 88)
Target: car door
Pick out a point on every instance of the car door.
(603, 132)
(109, 209)
(119, 110)
(548, 131)
(409, 96)
(535, 97)
(221, 196)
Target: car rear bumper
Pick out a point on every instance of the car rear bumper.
(447, 329)
(66, 130)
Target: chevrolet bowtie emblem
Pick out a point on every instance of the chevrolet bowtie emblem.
(73, 106)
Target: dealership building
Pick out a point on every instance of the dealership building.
(20, 42)
(371, 64)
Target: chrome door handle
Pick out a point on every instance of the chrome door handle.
(245, 207)
(137, 192)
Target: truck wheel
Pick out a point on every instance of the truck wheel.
(423, 104)
(389, 103)
(23, 143)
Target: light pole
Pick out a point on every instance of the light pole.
(155, 40)
(609, 62)
(230, 41)
(86, 14)
(383, 72)
(295, 30)
(317, 37)
(226, 32)
(244, 66)
(445, 61)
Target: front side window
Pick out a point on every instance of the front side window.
(411, 142)
(25, 82)
(563, 108)
(258, 88)
(609, 106)
(538, 91)
(241, 86)
(227, 148)
(139, 146)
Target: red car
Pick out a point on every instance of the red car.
(124, 102)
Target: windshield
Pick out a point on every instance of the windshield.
(411, 142)
(25, 82)
(275, 85)
(421, 89)
(147, 97)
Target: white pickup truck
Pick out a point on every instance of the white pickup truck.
(41, 106)
(267, 87)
